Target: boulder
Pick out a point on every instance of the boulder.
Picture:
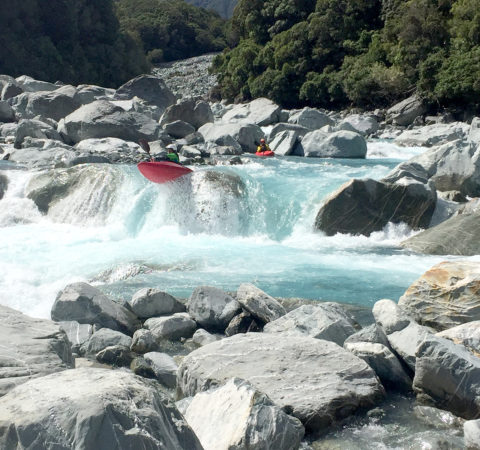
(202, 337)
(115, 355)
(56, 157)
(445, 296)
(365, 206)
(438, 418)
(172, 328)
(233, 134)
(327, 321)
(259, 304)
(361, 124)
(29, 84)
(431, 135)
(148, 302)
(212, 308)
(340, 144)
(54, 104)
(471, 433)
(77, 333)
(143, 341)
(164, 367)
(281, 127)
(86, 304)
(447, 376)
(149, 88)
(318, 381)
(310, 118)
(192, 111)
(284, 143)
(405, 112)
(449, 237)
(373, 334)
(36, 129)
(88, 93)
(241, 323)
(474, 131)
(102, 119)
(92, 408)
(467, 335)
(452, 166)
(260, 111)
(9, 89)
(7, 114)
(237, 416)
(179, 129)
(385, 364)
(108, 147)
(105, 338)
(30, 348)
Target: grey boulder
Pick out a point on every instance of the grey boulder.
(260, 111)
(7, 114)
(164, 368)
(247, 135)
(405, 112)
(194, 112)
(284, 142)
(467, 335)
(340, 144)
(310, 118)
(149, 302)
(104, 338)
(259, 304)
(173, 328)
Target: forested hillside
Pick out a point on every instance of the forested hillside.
(366, 53)
(223, 7)
(75, 41)
(171, 29)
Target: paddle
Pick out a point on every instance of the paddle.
(144, 144)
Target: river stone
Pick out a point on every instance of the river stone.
(92, 409)
(281, 127)
(10, 90)
(149, 302)
(247, 135)
(445, 296)
(431, 135)
(212, 308)
(86, 304)
(467, 335)
(237, 416)
(239, 324)
(7, 114)
(77, 333)
(457, 235)
(385, 364)
(36, 129)
(258, 303)
(438, 418)
(284, 142)
(88, 93)
(310, 118)
(149, 88)
(30, 348)
(405, 112)
(260, 111)
(340, 144)
(471, 432)
(373, 334)
(362, 124)
(327, 321)
(365, 206)
(173, 328)
(101, 119)
(192, 111)
(29, 84)
(143, 341)
(105, 338)
(179, 129)
(318, 381)
(164, 367)
(203, 337)
(447, 376)
(115, 355)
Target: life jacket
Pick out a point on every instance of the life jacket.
(173, 157)
(261, 149)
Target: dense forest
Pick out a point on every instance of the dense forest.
(365, 53)
(223, 7)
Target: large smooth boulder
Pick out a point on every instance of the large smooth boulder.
(149, 88)
(88, 93)
(317, 380)
(30, 348)
(431, 135)
(467, 335)
(454, 166)
(192, 111)
(7, 114)
(77, 333)
(102, 119)
(340, 144)
(471, 432)
(447, 376)
(104, 338)
(246, 135)
(258, 303)
(87, 304)
(53, 105)
(373, 334)
(405, 112)
(173, 328)
(164, 367)
(149, 302)
(237, 416)
(36, 129)
(284, 142)
(92, 409)
(29, 84)
(449, 237)
(260, 111)
(365, 206)
(310, 118)
(212, 308)
(179, 129)
(38, 158)
(362, 124)
(281, 127)
(327, 321)
(445, 296)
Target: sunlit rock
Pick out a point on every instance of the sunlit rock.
(260, 111)
(259, 304)
(362, 124)
(310, 118)
(149, 302)
(339, 144)
(105, 338)
(405, 112)
(467, 335)
(173, 328)
(247, 135)
(194, 112)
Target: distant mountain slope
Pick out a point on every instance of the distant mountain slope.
(223, 7)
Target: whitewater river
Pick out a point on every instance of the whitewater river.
(121, 233)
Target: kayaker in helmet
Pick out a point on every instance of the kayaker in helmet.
(263, 147)
(172, 153)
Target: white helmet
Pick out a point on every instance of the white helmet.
(172, 146)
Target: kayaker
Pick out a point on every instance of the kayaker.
(263, 147)
(172, 153)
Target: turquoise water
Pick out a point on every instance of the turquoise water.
(121, 233)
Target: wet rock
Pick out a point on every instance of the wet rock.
(86, 304)
(238, 416)
(445, 296)
(202, 337)
(258, 303)
(365, 206)
(30, 348)
(105, 338)
(467, 335)
(149, 302)
(471, 432)
(175, 327)
(438, 418)
(212, 308)
(106, 408)
(317, 380)
(3, 185)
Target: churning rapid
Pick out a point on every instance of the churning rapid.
(219, 226)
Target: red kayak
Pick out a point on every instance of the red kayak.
(162, 171)
(266, 153)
